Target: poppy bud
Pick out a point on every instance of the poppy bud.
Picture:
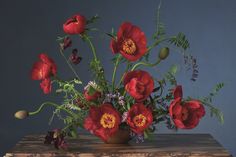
(22, 114)
(164, 52)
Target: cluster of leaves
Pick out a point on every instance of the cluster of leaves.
(71, 97)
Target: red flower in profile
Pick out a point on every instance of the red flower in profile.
(93, 96)
(75, 25)
(185, 114)
(46, 85)
(139, 84)
(43, 68)
(139, 118)
(102, 121)
(130, 42)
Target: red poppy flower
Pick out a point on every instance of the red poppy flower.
(102, 121)
(43, 68)
(46, 85)
(186, 115)
(139, 118)
(131, 42)
(93, 96)
(177, 92)
(139, 84)
(75, 25)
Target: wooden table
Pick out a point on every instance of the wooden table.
(162, 145)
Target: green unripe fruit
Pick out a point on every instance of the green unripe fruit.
(22, 114)
(164, 53)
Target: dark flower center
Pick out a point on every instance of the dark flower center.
(128, 46)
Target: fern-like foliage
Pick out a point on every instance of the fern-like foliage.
(160, 27)
(180, 41)
(214, 92)
(170, 75)
(207, 101)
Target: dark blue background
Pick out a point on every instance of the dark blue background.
(31, 27)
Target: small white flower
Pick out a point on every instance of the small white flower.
(92, 84)
(124, 116)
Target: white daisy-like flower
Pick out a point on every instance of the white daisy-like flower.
(94, 85)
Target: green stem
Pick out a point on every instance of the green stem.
(146, 64)
(157, 42)
(114, 72)
(68, 63)
(91, 46)
(50, 104)
(127, 68)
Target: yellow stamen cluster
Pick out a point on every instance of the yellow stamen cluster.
(139, 120)
(128, 46)
(108, 120)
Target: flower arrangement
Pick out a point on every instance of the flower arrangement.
(136, 103)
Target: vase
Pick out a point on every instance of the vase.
(120, 137)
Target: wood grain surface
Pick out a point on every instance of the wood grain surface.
(162, 145)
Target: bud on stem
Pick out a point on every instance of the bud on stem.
(22, 114)
(164, 53)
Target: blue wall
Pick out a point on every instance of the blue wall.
(30, 27)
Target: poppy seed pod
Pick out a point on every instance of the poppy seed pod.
(22, 114)
(164, 53)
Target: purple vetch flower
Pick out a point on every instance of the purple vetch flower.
(108, 98)
(138, 137)
(114, 97)
(74, 58)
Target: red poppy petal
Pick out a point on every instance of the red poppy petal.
(40, 71)
(200, 111)
(114, 46)
(173, 108)
(46, 86)
(177, 92)
(75, 25)
(124, 30)
(193, 104)
(192, 121)
(179, 124)
(95, 113)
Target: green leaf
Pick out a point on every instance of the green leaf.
(180, 41)
(93, 19)
(91, 90)
(73, 132)
(145, 135)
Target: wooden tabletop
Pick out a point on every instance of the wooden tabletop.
(162, 145)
